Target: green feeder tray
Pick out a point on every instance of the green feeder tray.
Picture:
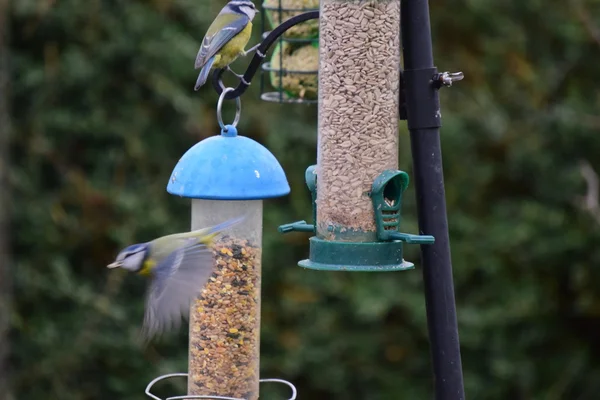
(349, 256)
(386, 254)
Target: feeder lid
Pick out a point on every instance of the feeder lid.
(228, 167)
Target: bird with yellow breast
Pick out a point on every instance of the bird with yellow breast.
(225, 39)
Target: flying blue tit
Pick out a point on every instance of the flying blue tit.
(225, 39)
(179, 266)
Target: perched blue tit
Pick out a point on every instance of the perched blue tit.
(179, 266)
(225, 39)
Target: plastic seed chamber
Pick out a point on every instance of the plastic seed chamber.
(356, 187)
(225, 323)
(228, 176)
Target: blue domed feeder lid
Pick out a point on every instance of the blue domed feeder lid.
(228, 167)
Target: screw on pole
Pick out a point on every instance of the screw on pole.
(447, 79)
(424, 121)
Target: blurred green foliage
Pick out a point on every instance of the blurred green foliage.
(103, 107)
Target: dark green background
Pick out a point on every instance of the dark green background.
(103, 106)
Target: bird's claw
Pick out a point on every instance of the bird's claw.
(239, 76)
(251, 50)
(244, 53)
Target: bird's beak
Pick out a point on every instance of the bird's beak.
(116, 264)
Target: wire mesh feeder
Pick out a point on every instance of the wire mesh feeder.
(293, 67)
(210, 397)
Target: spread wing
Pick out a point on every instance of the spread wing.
(177, 280)
(221, 31)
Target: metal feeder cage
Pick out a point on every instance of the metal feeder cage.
(293, 85)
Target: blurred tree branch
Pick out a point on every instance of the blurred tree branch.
(584, 16)
(5, 285)
(590, 202)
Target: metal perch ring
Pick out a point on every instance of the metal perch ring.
(185, 397)
(238, 108)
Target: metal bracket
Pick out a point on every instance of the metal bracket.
(420, 90)
(402, 94)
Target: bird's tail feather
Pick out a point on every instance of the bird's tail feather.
(207, 234)
(203, 76)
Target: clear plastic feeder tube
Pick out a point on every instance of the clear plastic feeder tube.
(358, 112)
(225, 320)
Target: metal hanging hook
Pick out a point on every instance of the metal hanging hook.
(238, 109)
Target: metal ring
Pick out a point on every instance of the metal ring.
(291, 385)
(238, 108)
(149, 394)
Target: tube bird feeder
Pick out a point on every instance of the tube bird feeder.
(228, 176)
(356, 187)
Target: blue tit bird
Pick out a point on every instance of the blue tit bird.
(225, 39)
(179, 266)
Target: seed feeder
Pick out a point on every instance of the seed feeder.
(227, 176)
(358, 194)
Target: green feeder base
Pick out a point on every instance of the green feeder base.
(349, 256)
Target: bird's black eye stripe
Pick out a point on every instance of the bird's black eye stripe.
(131, 252)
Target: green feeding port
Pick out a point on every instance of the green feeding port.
(386, 196)
(301, 226)
(385, 254)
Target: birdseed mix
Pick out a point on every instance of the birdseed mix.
(308, 29)
(358, 118)
(225, 324)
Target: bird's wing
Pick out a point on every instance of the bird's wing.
(218, 34)
(163, 246)
(177, 280)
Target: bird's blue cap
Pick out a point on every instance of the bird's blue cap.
(228, 167)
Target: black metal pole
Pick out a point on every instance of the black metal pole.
(424, 121)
